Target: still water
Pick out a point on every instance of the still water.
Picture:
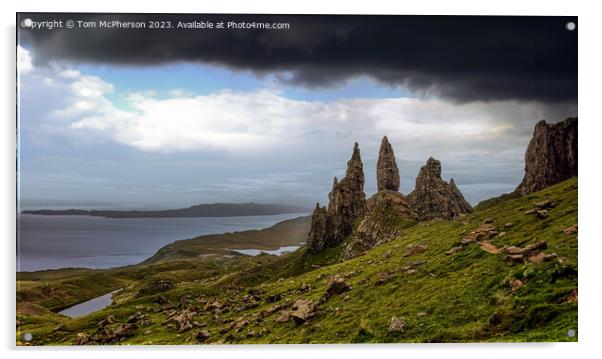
(50, 242)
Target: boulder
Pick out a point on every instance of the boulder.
(396, 324)
(202, 335)
(414, 249)
(302, 311)
(570, 230)
(336, 286)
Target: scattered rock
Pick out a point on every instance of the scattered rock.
(160, 285)
(414, 249)
(107, 321)
(396, 324)
(108, 333)
(336, 286)
(508, 225)
(384, 277)
(482, 232)
(182, 320)
(239, 324)
(572, 297)
(545, 204)
(543, 214)
(273, 298)
(284, 316)
(454, 250)
(202, 335)
(530, 211)
(515, 258)
(302, 310)
(488, 220)
(570, 230)
(489, 247)
(515, 284)
(411, 266)
(541, 257)
(531, 252)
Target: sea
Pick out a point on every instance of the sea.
(61, 241)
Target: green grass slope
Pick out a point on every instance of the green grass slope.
(470, 295)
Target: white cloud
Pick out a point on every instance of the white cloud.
(263, 119)
(24, 60)
(252, 121)
(247, 122)
(65, 111)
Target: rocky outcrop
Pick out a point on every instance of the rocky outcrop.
(347, 203)
(318, 232)
(433, 198)
(387, 174)
(551, 156)
(384, 216)
(388, 213)
(347, 200)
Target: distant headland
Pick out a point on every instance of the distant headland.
(200, 210)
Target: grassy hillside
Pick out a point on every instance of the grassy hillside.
(426, 285)
(292, 232)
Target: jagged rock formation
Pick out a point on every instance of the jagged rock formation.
(551, 156)
(387, 174)
(433, 198)
(317, 233)
(388, 213)
(347, 203)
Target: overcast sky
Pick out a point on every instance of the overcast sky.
(123, 118)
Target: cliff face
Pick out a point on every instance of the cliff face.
(347, 203)
(387, 174)
(433, 198)
(551, 156)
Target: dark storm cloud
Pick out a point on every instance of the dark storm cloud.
(460, 58)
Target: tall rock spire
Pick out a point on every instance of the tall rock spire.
(387, 174)
(347, 203)
(317, 234)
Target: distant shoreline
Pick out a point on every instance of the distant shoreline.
(201, 210)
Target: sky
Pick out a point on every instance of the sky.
(116, 118)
